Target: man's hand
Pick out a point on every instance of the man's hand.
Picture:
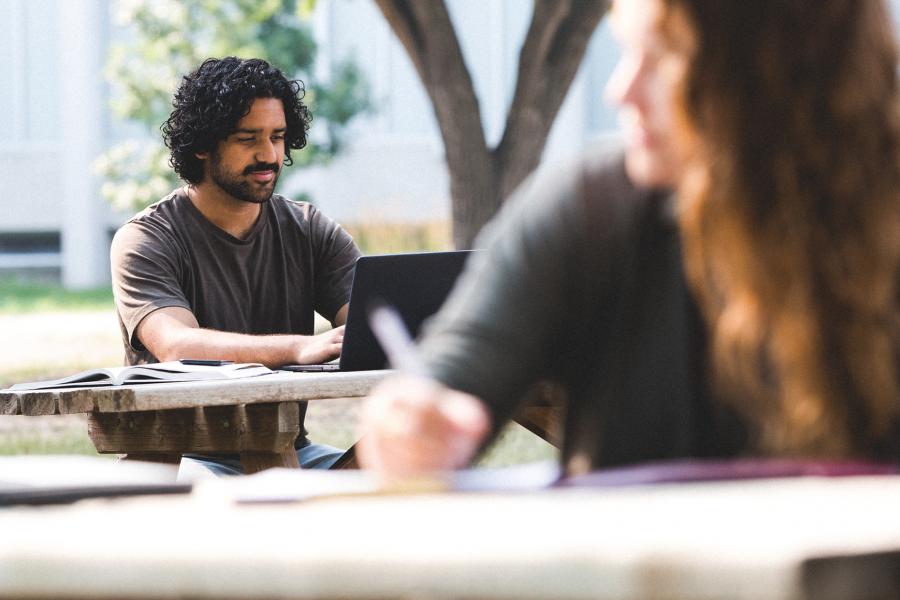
(320, 348)
(411, 425)
(172, 333)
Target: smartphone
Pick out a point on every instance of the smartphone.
(203, 362)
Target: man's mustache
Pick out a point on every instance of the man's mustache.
(261, 167)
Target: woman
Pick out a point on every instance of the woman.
(776, 123)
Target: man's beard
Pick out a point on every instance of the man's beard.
(238, 186)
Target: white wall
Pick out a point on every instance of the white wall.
(52, 125)
(53, 117)
(29, 116)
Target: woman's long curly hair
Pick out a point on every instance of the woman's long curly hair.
(790, 213)
(211, 100)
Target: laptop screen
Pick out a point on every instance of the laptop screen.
(416, 284)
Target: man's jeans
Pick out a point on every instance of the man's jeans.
(311, 456)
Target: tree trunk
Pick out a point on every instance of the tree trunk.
(480, 177)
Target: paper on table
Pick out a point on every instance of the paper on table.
(292, 485)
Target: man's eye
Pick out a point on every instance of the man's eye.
(245, 139)
(278, 137)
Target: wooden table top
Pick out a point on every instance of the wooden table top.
(738, 540)
(278, 387)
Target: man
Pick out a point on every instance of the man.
(223, 268)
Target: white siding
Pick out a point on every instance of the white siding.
(393, 168)
(30, 149)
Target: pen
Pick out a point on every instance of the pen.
(204, 362)
(390, 331)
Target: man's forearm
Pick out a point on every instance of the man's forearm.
(270, 350)
(173, 334)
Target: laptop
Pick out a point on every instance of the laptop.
(415, 284)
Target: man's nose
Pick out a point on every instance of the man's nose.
(266, 152)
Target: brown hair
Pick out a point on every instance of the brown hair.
(790, 215)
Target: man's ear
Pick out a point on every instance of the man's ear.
(202, 155)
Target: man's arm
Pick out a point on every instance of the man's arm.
(172, 333)
(340, 319)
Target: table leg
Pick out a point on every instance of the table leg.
(264, 434)
(254, 462)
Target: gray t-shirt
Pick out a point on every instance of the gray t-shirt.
(294, 261)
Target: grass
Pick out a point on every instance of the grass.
(45, 435)
(386, 238)
(71, 442)
(334, 422)
(18, 296)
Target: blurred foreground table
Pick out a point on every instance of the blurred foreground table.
(791, 539)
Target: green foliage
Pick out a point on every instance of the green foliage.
(169, 38)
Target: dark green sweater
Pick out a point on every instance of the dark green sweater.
(582, 282)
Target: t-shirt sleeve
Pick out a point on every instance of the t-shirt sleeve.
(335, 260)
(508, 313)
(145, 275)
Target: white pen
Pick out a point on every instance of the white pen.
(390, 331)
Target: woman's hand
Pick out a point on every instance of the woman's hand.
(412, 425)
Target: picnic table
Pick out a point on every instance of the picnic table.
(256, 417)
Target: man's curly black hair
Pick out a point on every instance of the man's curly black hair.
(211, 100)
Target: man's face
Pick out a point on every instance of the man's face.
(247, 163)
(643, 85)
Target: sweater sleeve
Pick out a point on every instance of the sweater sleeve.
(507, 316)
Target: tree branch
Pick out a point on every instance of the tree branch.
(551, 54)
(553, 49)
(426, 31)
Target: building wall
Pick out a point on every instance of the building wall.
(52, 125)
(54, 121)
(29, 116)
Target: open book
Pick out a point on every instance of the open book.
(150, 373)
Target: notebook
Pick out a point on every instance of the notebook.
(416, 284)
